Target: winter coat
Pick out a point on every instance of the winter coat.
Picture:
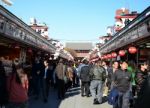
(144, 95)
(140, 78)
(60, 71)
(98, 73)
(17, 92)
(85, 73)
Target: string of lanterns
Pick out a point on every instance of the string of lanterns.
(121, 53)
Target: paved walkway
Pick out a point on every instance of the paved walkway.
(73, 100)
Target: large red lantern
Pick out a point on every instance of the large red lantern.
(132, 50)
(114, 55)
(122, 53)
(105, 56)
(30, 50)
(102, 57)
(108, 56)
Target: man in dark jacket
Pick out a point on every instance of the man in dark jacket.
(141, 75)
(122, 80)
(37, 68)
(85, 79)
(144, 95)
(111, 72)
(98, 76)
(46, 78)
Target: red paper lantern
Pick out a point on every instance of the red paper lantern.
(30, 50)
(102, 57)
(108, 56)
(17, 46)
(114, 54)
(105, 56)
(132, 50)
(122, 53)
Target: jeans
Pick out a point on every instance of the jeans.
(37, 82)
(96, 89)
(45, 88)
(123, 99)
(61, 88)
(85, 88)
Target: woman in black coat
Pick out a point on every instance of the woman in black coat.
(143, 100)
(3, 90)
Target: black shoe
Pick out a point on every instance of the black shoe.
(96, 102)
(82, 95)
(87, 95)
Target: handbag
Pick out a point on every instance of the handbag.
(113, 96)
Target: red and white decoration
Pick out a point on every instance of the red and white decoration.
(122, 53)
(132, 50)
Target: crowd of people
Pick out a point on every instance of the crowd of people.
(122, 82)
(97, 79)
(19, 82)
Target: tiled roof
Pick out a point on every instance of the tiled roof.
(79, 46)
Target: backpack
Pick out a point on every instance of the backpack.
(113, 97)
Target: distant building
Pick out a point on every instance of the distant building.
(123, 17)
(82, 49)
(110, 30)
(39, 28)
(104, 39)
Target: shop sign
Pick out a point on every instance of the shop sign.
(134, 35)
(12, 30)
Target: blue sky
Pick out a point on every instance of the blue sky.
(77, 20)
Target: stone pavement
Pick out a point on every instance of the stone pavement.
(73, 100)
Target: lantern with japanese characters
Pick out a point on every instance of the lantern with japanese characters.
(102, 57)
(29, 50)
(105, 56)
(109, 56)
(114, 54)
(122, 53)
(132, 50)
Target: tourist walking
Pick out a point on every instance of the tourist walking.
(60, 74)
(98, 75)
(122, 82)
(17, 87)
(85, 79)
(47, 76)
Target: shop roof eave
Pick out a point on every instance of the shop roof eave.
(126, 28)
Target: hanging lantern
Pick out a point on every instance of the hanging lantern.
(114, 54)
(132, 50)
(122, 53)
(102, 57)
(109, 56)
(105, 56)
(30, 50)
(17, 46)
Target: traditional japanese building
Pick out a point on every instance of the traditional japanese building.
(42, 29)
(18, 40)
(132, 42)
(123, 17)
(82, 49)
